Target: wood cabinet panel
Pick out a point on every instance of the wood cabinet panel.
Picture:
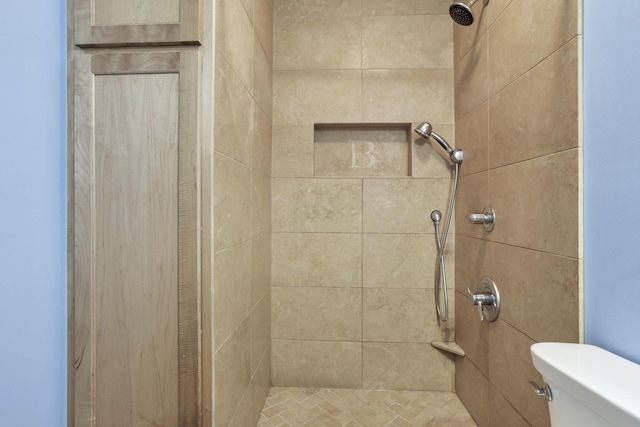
(136, 316)
(137, 22)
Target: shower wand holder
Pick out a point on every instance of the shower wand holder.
(487, 298)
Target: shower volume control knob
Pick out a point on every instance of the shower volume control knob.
(487, 218)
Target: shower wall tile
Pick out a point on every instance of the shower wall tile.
(261, 146)
(472, 197)
(260, 204)
(398, 260)
(232, 293)
(501, 412)
(260, 323)
(317, 205)
(405, 7)
(242, 415)
(317, 313)
(332, 42)
(428, 45)
(232, 202)
(407, 95)
(260, 384)
(400, 315)
(406, 366)
(403, 205)
(293, 150)
(471, 79)
(232, 124)
(511, 369)
(263, 25)
(317, 259)
(477, 263)
(317, 96)
(548, 92)
(262, 79)
(496, 9)
(233, 373)
(474, 389)
(471, 334)
(464, 37)
(536, 203)
(314, 8)
(428, 160)
(512, 50)
(472, 136)
(335, 364)
(234, 38)
(530, 279)
(260, 267)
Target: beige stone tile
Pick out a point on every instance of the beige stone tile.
(232, 204)
(293, 150)
(533, 30)
(471, 79)
(511, 368)
(406, 366)
(399, 260)
(496, 9)
(403, 205)
(261, 145)
(474, 391)
(324, 42)
(317, 259)
(232, 373)
(261, 385)
(263, 24)
(400, 315)
(407, 95)
(472, 136)
(530, 280)
(242, 415)
(501, 412)
(232, 290)
(317, 8)
(536, 204)
(317, 96)
(420, 41)
(473, 196)
(473, 262)
(262, 79)
(248, 7)
(317, 205)
(260, 204)
(361, 151)
(234, 38)
(428, 159)
(232, 122)
(405, 7)
(549, 93)
(260, 267)
(471, 334)
(316, 313)
(260, 318)
(317, 363)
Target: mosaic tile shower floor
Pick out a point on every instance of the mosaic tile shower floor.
(323, 407)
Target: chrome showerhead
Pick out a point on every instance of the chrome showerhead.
(425, 130)
(461, 13)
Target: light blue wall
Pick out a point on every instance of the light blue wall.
(612, 177)
(32, 213)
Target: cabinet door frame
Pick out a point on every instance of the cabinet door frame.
(82, 387)
(188, 30)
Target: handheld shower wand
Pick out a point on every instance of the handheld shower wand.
(456, 156)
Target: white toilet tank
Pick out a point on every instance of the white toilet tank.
(591, 387)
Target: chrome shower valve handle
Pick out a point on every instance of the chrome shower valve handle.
(487, 218)
(487, 298)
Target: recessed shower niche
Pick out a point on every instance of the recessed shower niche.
(362, 150)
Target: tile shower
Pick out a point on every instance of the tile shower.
(353, 252)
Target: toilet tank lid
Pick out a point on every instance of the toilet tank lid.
(602, 380)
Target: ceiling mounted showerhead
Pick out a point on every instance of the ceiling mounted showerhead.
(461, 13)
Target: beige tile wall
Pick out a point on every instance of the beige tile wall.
(354, 255)
(242, 209)
(517, 85)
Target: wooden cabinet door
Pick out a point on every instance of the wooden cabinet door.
(137, 22)
(135, 222)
